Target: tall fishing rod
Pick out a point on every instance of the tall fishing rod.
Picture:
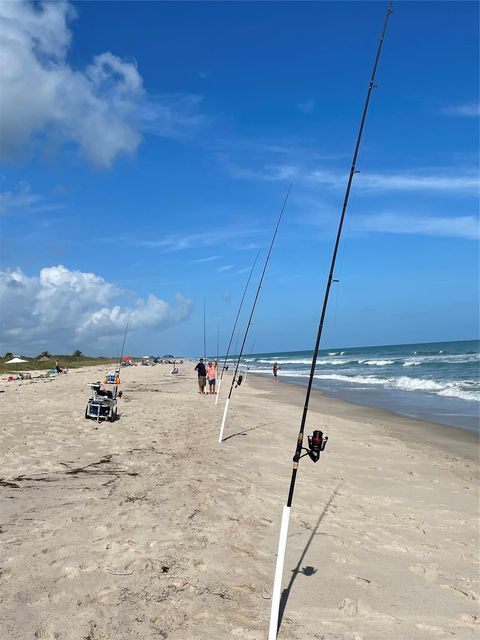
(234, 377)
(204, 334)
(218, 341)
(117, 372)
(234, 327)
(249, 358)
(317, 442)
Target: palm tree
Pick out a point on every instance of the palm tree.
(44, 354)
(77, 354)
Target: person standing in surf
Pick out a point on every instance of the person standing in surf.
(202, 376)
(275, 370)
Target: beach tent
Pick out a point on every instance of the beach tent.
(16, 361)
(168, 355)
(125, 358)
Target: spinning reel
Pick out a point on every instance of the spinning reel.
(316, 444)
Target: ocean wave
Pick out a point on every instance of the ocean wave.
(405, 361)
(465, 389)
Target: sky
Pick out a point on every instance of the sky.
(146, 149)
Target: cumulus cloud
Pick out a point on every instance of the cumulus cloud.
(102, 109)
(61, 308)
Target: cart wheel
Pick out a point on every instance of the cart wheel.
(87, 417)
(114, 416)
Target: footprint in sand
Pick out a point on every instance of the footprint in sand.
(467, 594)
(46, 632)
(429, 572)
(343, 559)
(104, 596)
(432, 629)
(468, 618)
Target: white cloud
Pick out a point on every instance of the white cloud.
(226, 267)
(452, 227)
(177, 242)
(21, 199)
(443, 181)
(171, 115)
(417, 182)
(202, 260)
(308, 106)
(102, 109)
(468, 110)
(61, 309)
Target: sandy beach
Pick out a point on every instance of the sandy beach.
(148, 528)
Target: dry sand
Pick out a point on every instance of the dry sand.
(148, 528)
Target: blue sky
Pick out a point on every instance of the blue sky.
(146, 149)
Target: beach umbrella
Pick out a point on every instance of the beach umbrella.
(16, 361)
(125, 358)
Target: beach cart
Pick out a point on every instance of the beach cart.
(102, 404)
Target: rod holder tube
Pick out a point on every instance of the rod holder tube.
(218, 391)
(225, 411)
(277, 583)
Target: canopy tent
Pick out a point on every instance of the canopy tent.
(16, 361)
(125, 358)
(168, 355)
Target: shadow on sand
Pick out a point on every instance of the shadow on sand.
(307, 570)
(245, 431)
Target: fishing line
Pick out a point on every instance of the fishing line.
(204, 333)
(317, 442)
(120, 359)
(234, 327)
(238, 381)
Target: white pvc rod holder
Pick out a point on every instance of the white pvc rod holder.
(225, 411)
(218, 391)
(277, 583)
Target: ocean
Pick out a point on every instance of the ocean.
(436, 381)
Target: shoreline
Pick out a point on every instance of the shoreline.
(147, 527)
(464, 442)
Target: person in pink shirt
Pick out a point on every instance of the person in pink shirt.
(211, 377)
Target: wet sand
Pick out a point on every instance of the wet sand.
(148, 528)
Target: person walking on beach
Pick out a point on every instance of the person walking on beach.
(211, 375)
(275, 370)
(202, 376)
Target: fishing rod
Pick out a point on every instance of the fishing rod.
(234, 327)
(120, 361)
(317, 442)
(249, 358)
(204, 334)
(240, 378)
(218, 341)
